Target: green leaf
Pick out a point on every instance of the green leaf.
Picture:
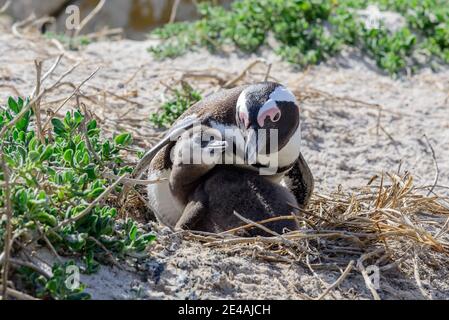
(12, 104)
(123, 139)
(76, 241)
(47, 219)
(92, 125)
(79, 296)
(58, 127)
(24, 121)
(32, 145)
(90, 171)
(95, 193)
(68, 156)
(34, 156)
(48, 152)
(78, 117)
(133, 233)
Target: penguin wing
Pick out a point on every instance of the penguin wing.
(299, 180)
(171, 136)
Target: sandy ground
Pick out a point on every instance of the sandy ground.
(344, 143)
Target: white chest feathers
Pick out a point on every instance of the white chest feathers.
(161, 201)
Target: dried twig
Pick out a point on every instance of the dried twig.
(19, 24)
(437, 169)
(49, 244)
(365, 275)
(108, 253)
(36, 107)
(134, 182)
(31, 103)
(338, 281)
(5, 6)
(8, 233)
(21, 263)
(267, 74)
(417, 278)
(84, 130)
(47, 74)
(74, 92)
(19, 295)
(255, 224)
(89, 17)
(250, 225)
(240, 76)
(174, 11)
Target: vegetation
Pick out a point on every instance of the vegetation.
(80, 41)
(53, 180)
(310, 31)
(171, 110)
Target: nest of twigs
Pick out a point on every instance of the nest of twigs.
(389, 225)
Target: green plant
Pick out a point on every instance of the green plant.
(54, 179)
(311, 31)
(182, 99)
(58, 286)
(389, 50)
(77, 42)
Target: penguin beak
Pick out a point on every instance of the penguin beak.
(218, 145)
(251, 142)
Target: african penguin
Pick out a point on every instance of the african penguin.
(245, 110)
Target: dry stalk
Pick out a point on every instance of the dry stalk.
(8, 235)
(36, 107)
(5, 6)
(134, 182)
(48, 73)
(242, 74)
(437, 170)
(19, 295)
(89, 17)
(33, 101)
(174, 11)
(74, 92)
(19, 24)
(362, 269)
(417, 277)
(108, 253)
(21, 263)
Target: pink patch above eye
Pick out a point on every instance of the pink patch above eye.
(273, 112)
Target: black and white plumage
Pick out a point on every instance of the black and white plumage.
(245, 110)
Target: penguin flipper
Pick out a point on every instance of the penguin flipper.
(194, 213)
(299, 180)
(177, 130)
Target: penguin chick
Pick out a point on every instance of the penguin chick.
(195, 154)
(228, 189)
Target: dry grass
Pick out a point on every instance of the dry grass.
(389, 225)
